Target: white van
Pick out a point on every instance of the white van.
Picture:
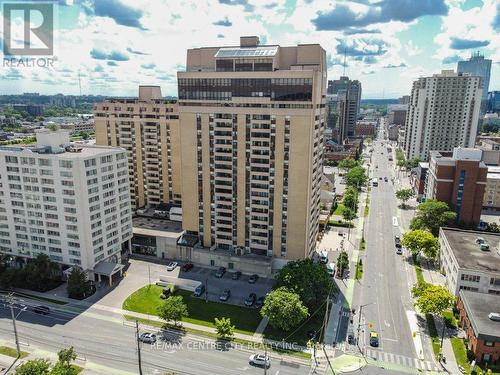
(323, 257)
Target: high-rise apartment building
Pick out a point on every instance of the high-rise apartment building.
(477, 65)
(493, 102)
(251, 122)
(69, 202)
(148, 128)
(348, 105)
(442, 114)
(459, 179)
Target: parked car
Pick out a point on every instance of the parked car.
(148, 338)
(323, 257)
(397, 241)
(220, 272)
(399, 250)
(225, 295)
(171, 266)
(187, 267)
(374, 339)
(200, 289)
(259, 303)
(250, 300)
(385, 179)
(253, 279)
(260, 360)
(40, 309)
(236, 275)
(330, 268)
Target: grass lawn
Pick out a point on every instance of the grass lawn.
(449, 319)
(11, 352)
(436, 343)
(418, 270)
(339, 210)
(359, 270)
(460, 352)
(147, 299)
(362, 244)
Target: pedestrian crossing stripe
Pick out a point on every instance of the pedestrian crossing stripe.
(401, 360)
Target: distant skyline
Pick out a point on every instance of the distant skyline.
(114, 46)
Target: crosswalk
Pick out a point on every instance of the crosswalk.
(401, 360)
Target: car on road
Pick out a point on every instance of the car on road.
(41, 309)
(200, 289)
(260, 360)
(399, 250)
(225, 295)
(397, 241)
(148, 338)
(220, 272)
(171, 266)
(236, 275)
(374, 339)
(187, 267)
(330, 268)
(259, 303)
(250, 300)
(386, 179)
(323, 257)
(253, 279)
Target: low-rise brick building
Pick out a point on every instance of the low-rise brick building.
(480, 325)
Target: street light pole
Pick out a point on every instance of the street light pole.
(138, 346)
(15, 329)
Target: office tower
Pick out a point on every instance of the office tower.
(69, 202)
(252, 119)
(331, 108)
(493, 101)
(477, 65)
(348, 104)
(148, 128)
(405, 99)
(442, 114)
(458, 178)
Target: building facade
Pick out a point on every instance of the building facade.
(468, 266)
(459, 179)
(478, 66)
(252, 119)
(493, 102)
(69, 202)
(491, 200)
(443, 113)
(148, 128)
(348, 105)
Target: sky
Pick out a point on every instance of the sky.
(115, 45)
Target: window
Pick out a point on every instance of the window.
(11, 159)
(65, 163)
(470, 278)
(489, 343)
(44, 162)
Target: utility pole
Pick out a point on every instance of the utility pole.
(265, 359)
(206, 289)
(138, 346)
(149, 275)
(15, 327)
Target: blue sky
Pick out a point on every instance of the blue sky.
(115, 45)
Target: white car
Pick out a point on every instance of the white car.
(171, 266)
(330, 268)
(148, 338)
(260, 360)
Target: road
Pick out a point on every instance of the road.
(383, 295)
(109, 347)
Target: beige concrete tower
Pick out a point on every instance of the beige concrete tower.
(251, 124)
(148, 128)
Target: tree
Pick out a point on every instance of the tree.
(420, 241)
(40, 274)
(350, 197)
(347, 164)
(404, 195)
(34, 367)
(348, 215)
(308, 279)
(356, 177)
(173, 308)
(342, 263)
(432, 215)
(78, 286)
(63, 365)
(413, 163)
(225, 330)
(434, 299)
(284, 309)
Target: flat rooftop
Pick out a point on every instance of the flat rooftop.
(478, 306)
(148, 226)
(86, 151)
(467, 252)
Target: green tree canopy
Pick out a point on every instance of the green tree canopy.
(404, 195)
(284, 309)
(34, 367)
(350, 197)
(347, 164)
(421, 241)
(432, 215)
(173, 308)
(356, 177)
(348, 214)
(41, 273)
(224, 328)
(342, 263)
(78, 286)
(308, 279)
(434, 299)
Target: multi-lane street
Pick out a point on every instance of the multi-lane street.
(383, 296)
(107, 345)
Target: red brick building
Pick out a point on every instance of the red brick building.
(459, 179)
(483, 332)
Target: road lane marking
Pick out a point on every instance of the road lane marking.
(395, 221)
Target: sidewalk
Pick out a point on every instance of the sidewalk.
(451, 365)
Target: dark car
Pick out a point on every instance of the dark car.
(259, 302)
(385, 179)
(236, 275)
(225, 295)
(220, 272)
(253, 279)
(397, 241)
(187, 267)
(44, 310)
(374, 339)
(147, 338)
(250, 300)
(200, 289)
